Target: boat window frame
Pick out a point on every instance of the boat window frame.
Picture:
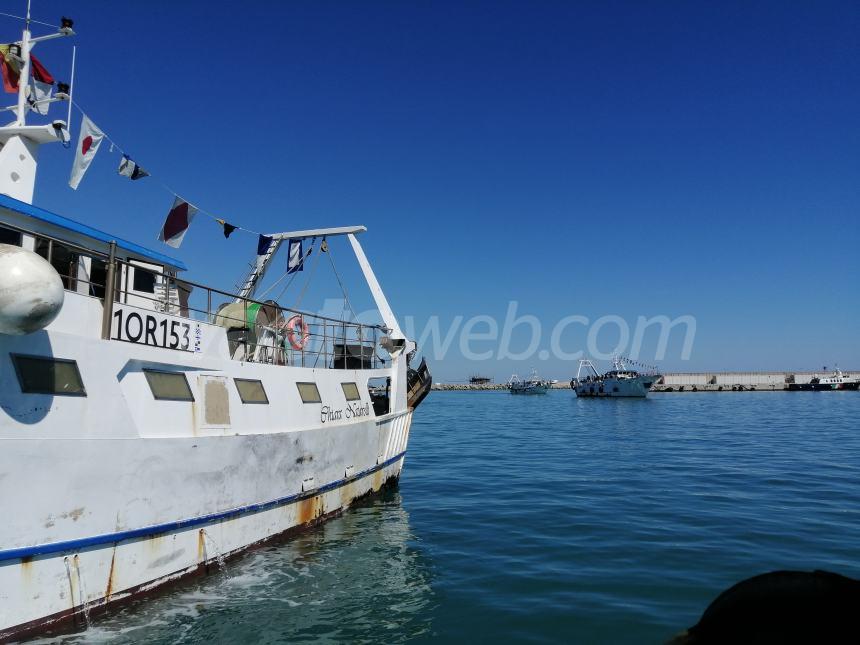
(356, 397)
(82, 392)
(256, 381)
(9, 233)
(299, 385)
(147, 371)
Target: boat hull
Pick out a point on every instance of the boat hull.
(46, 585)
(822, 387)
(615, 388)
(529, 390)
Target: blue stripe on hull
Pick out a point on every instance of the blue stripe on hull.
(109, 538)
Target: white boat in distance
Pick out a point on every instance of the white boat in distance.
(618, 382)
(152, 426)
(836, 381)
(533, 385)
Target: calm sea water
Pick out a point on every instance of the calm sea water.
(548, 519)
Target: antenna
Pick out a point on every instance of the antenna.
(71, 86)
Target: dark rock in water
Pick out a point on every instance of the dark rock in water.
(781, 607)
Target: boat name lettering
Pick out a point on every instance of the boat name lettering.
(352, 410)
(156, 331)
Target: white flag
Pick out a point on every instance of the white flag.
(39, 91)
(88, 144)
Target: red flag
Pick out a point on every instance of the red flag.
(39, 72)
(12, 71)
(177, 222)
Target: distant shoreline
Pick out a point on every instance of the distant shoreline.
(688, 382)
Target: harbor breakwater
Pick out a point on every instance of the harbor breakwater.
(692, 382)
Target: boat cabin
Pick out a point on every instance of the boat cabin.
(80, 255)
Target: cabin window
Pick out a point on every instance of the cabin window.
(309, 392)
(45, 375)
(251, 391)
(98, 277)
(350, 391)
(168, 386)
(379, 389)
(8, 236)
(144, 281)
(62, 258)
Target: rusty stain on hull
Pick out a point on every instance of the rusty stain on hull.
(201, 546)
(110, 581)
(27, 570)
(310, 509)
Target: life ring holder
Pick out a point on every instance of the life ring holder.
(298, 332)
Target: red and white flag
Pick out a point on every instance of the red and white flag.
(88, 144)
(177, 222)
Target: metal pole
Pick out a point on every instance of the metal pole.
(24, 77)
(110, 281)
(72, 87)
(343, 348)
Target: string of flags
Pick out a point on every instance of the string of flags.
(90, 138)
(182, 212)
(629, 361)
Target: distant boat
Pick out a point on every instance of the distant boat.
(836, 381)
(532, 385)
(617, 382)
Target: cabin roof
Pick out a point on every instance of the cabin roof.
(84, 235)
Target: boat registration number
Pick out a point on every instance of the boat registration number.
(144, 328)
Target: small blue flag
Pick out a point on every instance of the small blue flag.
(297, 260)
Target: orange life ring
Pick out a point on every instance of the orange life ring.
(296, 326)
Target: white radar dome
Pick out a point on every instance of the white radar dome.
(31, 292)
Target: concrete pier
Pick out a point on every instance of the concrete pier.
(692, 382)
(736, 381)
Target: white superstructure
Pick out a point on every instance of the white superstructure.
(151, 426)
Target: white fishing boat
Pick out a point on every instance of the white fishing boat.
(152, 426)
(835, 381)
(532, 385)
(618, 382)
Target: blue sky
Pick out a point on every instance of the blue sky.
(600, 158)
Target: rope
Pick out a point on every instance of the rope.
(163, 185)
(310, 276)
(340, 282)
(38, 22)
(292, 277)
